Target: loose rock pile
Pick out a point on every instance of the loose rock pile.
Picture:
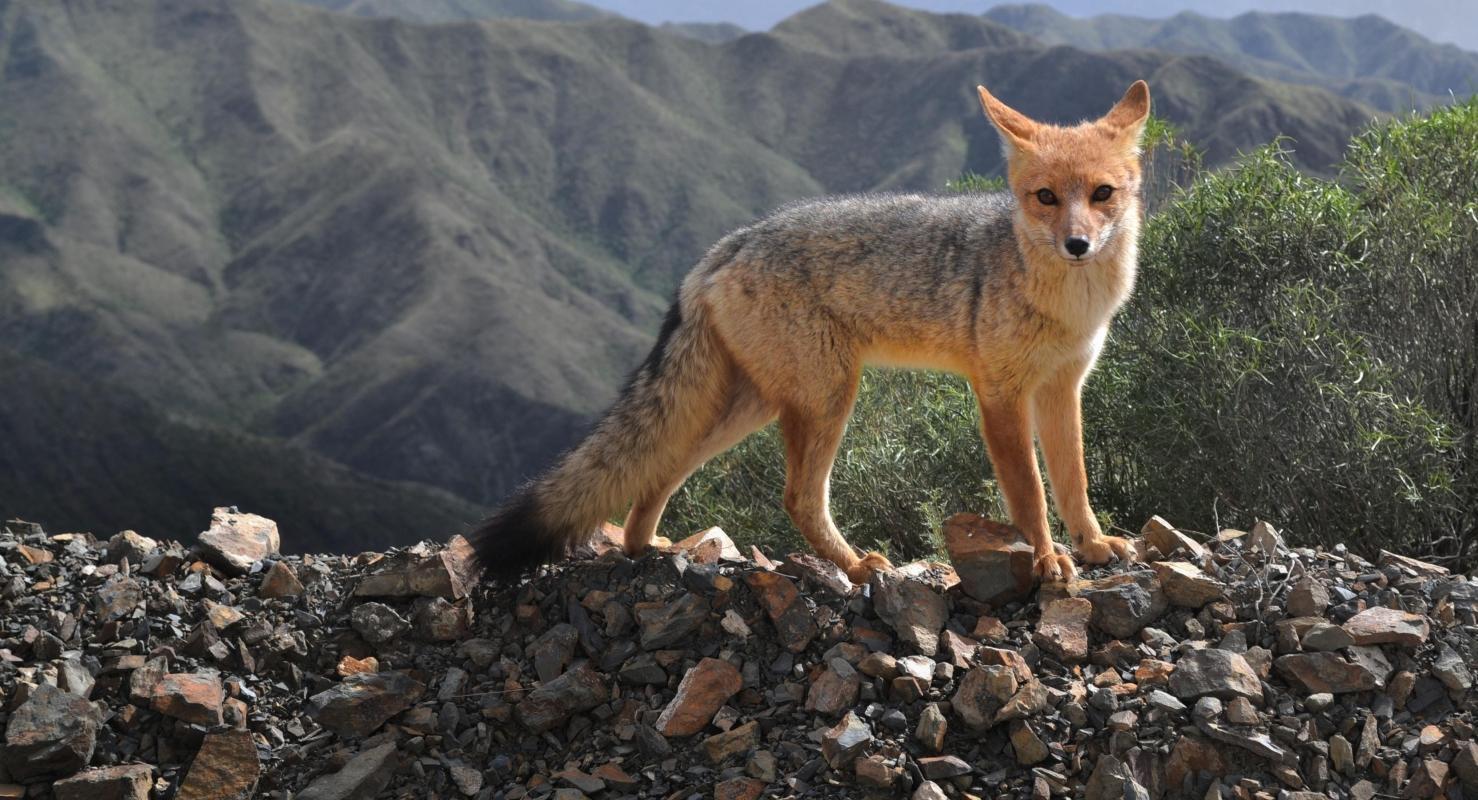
(1228, 668)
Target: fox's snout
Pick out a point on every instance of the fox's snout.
(1077, 246)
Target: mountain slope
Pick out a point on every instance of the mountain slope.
(1365, 58)
(431, 252)
(434, 11)
(93, 457)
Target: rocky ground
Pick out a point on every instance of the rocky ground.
(1220, 668)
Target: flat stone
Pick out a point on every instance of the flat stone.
(1187, 585)
(1412, 566)
(737, 741)
(1169, 541)
(1465, 765)
(449, 573)
(878, 665)
(700, 694)
(1327, 637)
(1324, 672)
(1380, 625)
(819, 572)
(553, 651)
(842, 743)
(675, 622)
(938, 768)
(738, 789)
(191, 697)
(994, 561)
(550, 705)
(279, 581)
(125, 782)
(361, 703)
(913, 609)
(1124, 604)
(439, 620)
(234, 541)
(1063, 629)
(368, 772)
(787, 611)
(708, 547)
(1216, 673)
(51, 735)
(225, 768)
(875, 773)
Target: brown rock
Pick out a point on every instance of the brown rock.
(349, 665)
(1324, 672)
(720, 747)
(51, 734)
(914, 610)
(846, 740)
(440, 621)
(994, 561)
(1063, 630)
(362, 702)
(117, 598)
(1169, 541)
(225, 768)
(931, 728)
(361, 779)
(1412, 566)
(1028, 746)
(818, 572)
(738, 789)
(875, 773)
(1001, 657)
(990, 629)
(1381, 625)
(1125, 604)
(1214, 672)
(1307, 598)
(981, 695)
(793, 622)
(1193, 755)
(126, 782)
(549, 706)
(280, 581)
(708, 547)
(878, 665)
(1153, 672)
(937, 768)
(449, 573)
(1186, 585)
(189, 697)
(703, 690)
(834, 690)
(235, 540)
(1466, 765)
(1428, 780)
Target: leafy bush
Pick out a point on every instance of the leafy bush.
(1299, 350)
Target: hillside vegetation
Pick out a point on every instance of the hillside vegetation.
(1299, 349)
(430, 253)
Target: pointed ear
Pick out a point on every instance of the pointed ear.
(1016, 129)
(1129, 115)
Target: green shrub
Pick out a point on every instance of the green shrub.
(1299, 350)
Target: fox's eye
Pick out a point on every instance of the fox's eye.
(1102, 193)
(1046, 197)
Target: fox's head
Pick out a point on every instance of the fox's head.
(1078, 186)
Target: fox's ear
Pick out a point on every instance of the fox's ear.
(1129, 114)
(1017, 131)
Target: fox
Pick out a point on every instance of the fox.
(1014, 290)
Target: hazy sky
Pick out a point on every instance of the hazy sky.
(1445, 20)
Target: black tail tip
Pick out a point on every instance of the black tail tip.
(515, 539)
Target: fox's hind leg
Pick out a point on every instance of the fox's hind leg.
(745, 413)
(812, 433)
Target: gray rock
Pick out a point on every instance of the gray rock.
(51, 735)
(362, 702)
(377, 623)
(912, 608)
(362, 778)
(1218, 673)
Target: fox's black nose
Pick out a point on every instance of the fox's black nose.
(1077, 245)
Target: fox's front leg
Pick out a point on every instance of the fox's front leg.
(1057, 407)
(1006, 426)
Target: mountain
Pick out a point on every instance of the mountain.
(96, 457)
(1365, 58)
(711, 32)
(435, 11)
(430, 253)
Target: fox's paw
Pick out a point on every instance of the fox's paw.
(1103, 549)
(1054, 566)
(861, 571)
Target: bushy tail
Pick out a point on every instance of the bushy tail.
(673, 399)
